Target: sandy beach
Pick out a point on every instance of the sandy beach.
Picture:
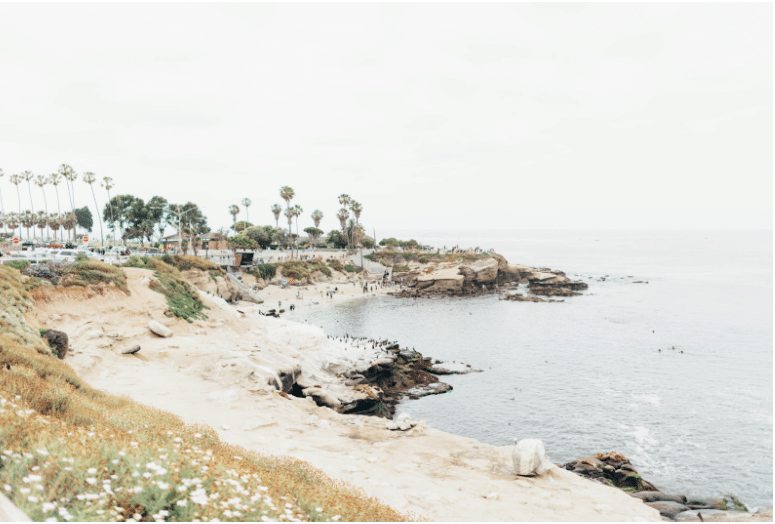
(206, 372)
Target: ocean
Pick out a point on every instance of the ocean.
(586, 375)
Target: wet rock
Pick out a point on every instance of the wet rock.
(159, 329)
(668, 509)
(529, 457)
(613, 469)
(726, 502)
(58, 341)
(131, 350)
(658, 496)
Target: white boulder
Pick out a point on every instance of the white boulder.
(159, 329)
(529, 457)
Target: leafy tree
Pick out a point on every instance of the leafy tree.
(392, 242)
(241, 242)
(84, 218)
(264, 236)
(367, 243)
(157, 208)
(241, 225)
(117, 212)
(336, 239)
(314, 233)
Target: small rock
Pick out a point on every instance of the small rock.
(372, 459)
(159, 329)
(225, 428)
(493, 496)
(404, 425)
(116, 335)
(200, 332)
(403, 416)
(392, 425)
(94, 333)
(668, 509)
(58, 341)
(529, 457)
(131, 350)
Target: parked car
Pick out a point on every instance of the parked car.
(66, 255)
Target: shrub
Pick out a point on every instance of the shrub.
(352, 269)
(265, 271)
(187, 262)
(423, 260)
(18, 264)
(400, 269)
(335, 264)
(136, 261)
(88, 271)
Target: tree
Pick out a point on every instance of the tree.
(367, 243)
(343, 215)
(27, 176)
(42, 221)
(157, 207)
(336, 239)
(27, 220)
(41, 181)
(70, 175)
(84, 218)
(247, 203)
(357, 209)
(117, 212)
(317, 216)
(16, 180)
(392, 242)
(13, 221)
(264, 236)
(241, 225)
(54, 179)
(287, 193)
(234, 210)
(314, 233)
(289, 214)
(55, 222)
(89, 178)
(344, 199)
(194, 222)
(276, 210)
(241, 242)
(107, 183)
(297, 211)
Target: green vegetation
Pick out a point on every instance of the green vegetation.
(300, 269)
(265, 271)
(352, 269)
(335, 264)
(423, 260)
(90, 272)
(400, 269)
(18, 264)
(73, 453)
(182, 298)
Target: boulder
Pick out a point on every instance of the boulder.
(668, 509)
(658, 496)
(159, 329)
(131, 350)
(58, 341)
(529, 457)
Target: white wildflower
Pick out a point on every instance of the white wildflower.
(163, 485)
(147, 475)
(49, 506)
(182, 503)
(91, 480)
(32, 499)
(24, 490)
(91, 471)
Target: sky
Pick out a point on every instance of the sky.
(433, 116)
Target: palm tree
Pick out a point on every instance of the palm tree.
(42, 221)
(41, 181)
(13, 221)
(246, 202)
(89, 178)
(28, 220)
(70, 175)
(54, 179)
(357, 209)
(344, 199)
(16, 180)
(107, 183)
(276, 210)
(343, 215)
(317, 216)
(2, 207)
(287, 194)
(297, 211)
(55, 222)
(69, 221)
(234, 210)
(27, 176)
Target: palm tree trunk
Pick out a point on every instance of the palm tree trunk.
(45, 203)
(19, 198)
(29, 188)
(99, 215)
(59, 210)
(110, 205)
(2, 210)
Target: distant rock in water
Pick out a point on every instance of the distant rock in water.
(58, 341)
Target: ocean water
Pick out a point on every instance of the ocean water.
(586, 375)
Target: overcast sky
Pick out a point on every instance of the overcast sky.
(433, 116)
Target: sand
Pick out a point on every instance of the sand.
(201, 375)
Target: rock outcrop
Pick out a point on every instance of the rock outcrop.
(215, 285)
(529, 457)
(58, 342)
(611, 468)
(485, 275)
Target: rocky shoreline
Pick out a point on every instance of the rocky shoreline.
(490, 275)
(615, 470)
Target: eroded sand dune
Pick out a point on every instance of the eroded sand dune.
(209, 372)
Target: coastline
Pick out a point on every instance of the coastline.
(199, 374)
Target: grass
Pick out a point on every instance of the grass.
(265, 271)
(89, 272)
(73, 453)
(336, 265)
(182, 298)
(400, 269)
(352, 269)
(301, 269)
(18, 264)
(187, 262)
